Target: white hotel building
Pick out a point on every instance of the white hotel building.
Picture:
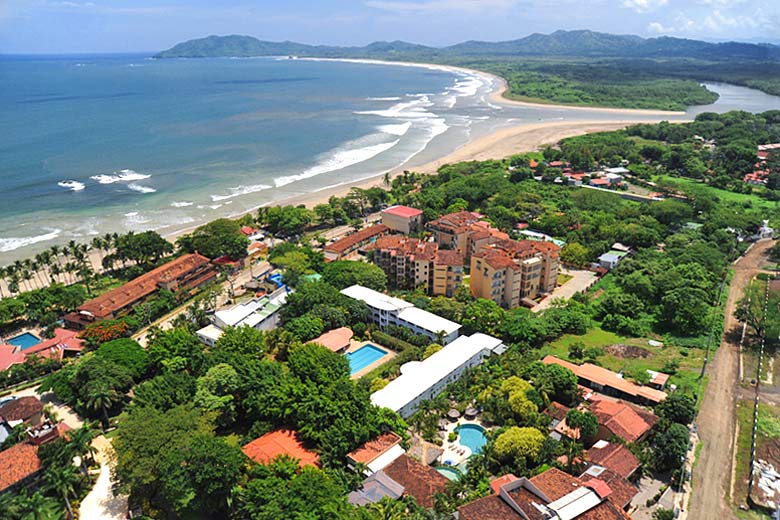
(386, 310)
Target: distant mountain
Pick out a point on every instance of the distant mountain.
(560, 43)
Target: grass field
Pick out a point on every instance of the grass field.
(686, 377)
(754, 200)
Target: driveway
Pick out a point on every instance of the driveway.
(101, 503)
(580, 281)
(64, 412)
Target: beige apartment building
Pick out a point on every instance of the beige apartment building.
(464, 232)
(411, 263)
(403, 219)
(513, 273)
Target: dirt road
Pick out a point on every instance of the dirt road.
(711, 478)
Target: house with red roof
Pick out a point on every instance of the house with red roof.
(336, 340)
(64, 343)
(27, 409)
(630, 423)
(551, 495)
(280, 442)
(613, 456)
(377, 454)
(418, 480)
(403, 219)
(19, 466)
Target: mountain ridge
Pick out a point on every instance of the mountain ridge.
(577, 43)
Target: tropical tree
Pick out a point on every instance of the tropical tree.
(103, 398)
(80, 444)
(63, 480)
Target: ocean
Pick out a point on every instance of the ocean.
(95, 144)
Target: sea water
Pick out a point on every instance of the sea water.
(96, 144)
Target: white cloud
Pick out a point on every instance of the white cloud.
(643, 6)
(440, 6)
(717, 21)
(658, 28)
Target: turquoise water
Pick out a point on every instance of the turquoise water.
(472, 436)
(364, 356)
(448, 472)
(25, 340)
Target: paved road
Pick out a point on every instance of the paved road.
(580, 281)
(711, 478)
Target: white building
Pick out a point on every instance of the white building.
(386, 310)
(423, 380)
(259, 313)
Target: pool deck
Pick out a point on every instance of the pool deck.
(357, 345)
(455, 451)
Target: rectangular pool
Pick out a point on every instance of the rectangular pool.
(364, 356)
(25, 341)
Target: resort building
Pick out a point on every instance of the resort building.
(377, 454)
(182, 274)
(464, 232)
(410, 263)
(280, 442)
(403, 219)
(608, 382)
(349, 244)
(258, 313)
(552, 495)
(386, 310)
(64, 343)
(418, 480)
(512, 273)
(423, 380)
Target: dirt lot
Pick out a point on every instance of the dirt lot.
(627, 351)
(711, 478)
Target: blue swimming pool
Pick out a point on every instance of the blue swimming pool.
(472, 436)
(26, 340)
(364, 356)
(450, 473)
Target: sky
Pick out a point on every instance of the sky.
(80, 26)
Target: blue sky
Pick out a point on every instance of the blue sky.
(65, 26)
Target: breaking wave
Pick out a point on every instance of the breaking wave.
(72, 185)
(120, 176)
(11, 243)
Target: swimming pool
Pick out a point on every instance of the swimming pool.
(364, 356)
(472, 436)
(450, 473)
(25, 341)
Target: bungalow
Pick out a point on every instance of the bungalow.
(600, 182)
(376, 454)
(611, 258)
(19, 466)
(609, 382)
(336, 340)
(280, 442)
(552, 495)
(349, 244)
(620, 419)
(27, 409)
(613, 456)
(418, 480)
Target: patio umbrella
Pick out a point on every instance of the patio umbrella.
(453, 414)
(471, 412)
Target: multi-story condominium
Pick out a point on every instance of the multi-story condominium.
(464, 232)
(386, 310)
(411, 263)
(403, 219)
(511, 272)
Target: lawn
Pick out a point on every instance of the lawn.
(563, 278)
(686, 377)
(753, 200)
(768, 427)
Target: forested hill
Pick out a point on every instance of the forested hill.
(559, 43)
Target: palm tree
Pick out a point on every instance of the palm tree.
(80, 444)
(387, 179)
(3, 274)
(55, 271)
(39, 507)
(63, 480)
(102, 399)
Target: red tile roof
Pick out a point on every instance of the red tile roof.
(412, 247)
(614, 457)
(420, 481)
(369, 451)
(455, 222)
(627, 422)
(53, 348)
(248, 230)
(623, 491)
(608, 378)
(599, 182)
(356, 238)
(280, 442)
(21, 409)
(496, 483)
(335, 339)
(449, 257)
(118, 299)
(17, 463)
(403, 211)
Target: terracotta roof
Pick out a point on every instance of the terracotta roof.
(17, 463)
(599, 182)
(356, 238)
(496, 483)
(248, 230)
(420, 481)
(117, 299)
(556, 484)
(403, 211)
(449, 257)
(335, 339)
(373, 449)
(21, 409)
(623, 491)
(412, 247)
(53, 348)
(496, 258)
(487, 508)
(456, 222)
(10, 355)
(627, 422)
(557, 411)
(604, 377)
(280, 442)
(614, 457)
(660, 378)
